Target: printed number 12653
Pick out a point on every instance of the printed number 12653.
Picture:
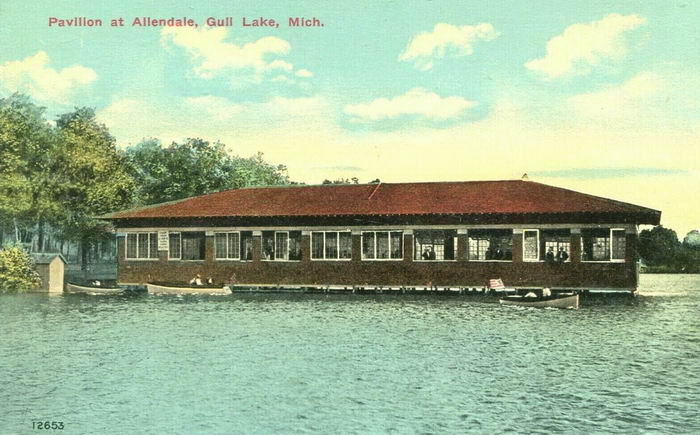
(47, 425)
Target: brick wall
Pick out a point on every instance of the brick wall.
(402, 272)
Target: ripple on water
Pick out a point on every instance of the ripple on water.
(355, 364)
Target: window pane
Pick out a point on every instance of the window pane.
(193, 246)
(131, 241)
(246, 245)
(382, 244)
(331, 245)
(268, 245)
(174, 243)
(397, 244)
(450, 252)
(490, 244)
(153, 245)
(234, 240)
(434, 244)
(368, 245)
(618, 244)
(317, 245)
(281, 246)
(595, 244)
(143, 246)
(345, 244)
(295, 245)
(220, 245)
(555, 245)
(530, 245)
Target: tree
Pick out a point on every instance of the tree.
(692, 240)
(17, 270)
(658, 246)
(353, 180)
(27, 144)
(94, 178)
(195, 167)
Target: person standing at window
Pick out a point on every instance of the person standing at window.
(562, 256)
(549, 256)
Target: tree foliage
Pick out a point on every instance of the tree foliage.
(195, 167)
(94, 179)
(661, 251)
(17, 270)
(353, 180)
(27, 144)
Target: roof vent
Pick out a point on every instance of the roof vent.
(525, 177)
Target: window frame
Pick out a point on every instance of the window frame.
(512, 232)
(182, 246)
(274, 246)
(337, 244)
(610, 247)
(420, 258)
(537, 240)
(148, 244)
(179, 235)
(362, 244)
(228, 236)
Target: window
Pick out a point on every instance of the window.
(490, 245)
(382, 245)
(193, 244)
(603, 244)
(175, 246)
(227, 246)
(619, 244)
(281, 245)
(531, 245)
(246, 245)
(331, 245)
(141, 246)
(434, 245)
(556, 242)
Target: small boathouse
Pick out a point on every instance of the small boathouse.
(457, 234)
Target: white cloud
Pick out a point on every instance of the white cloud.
(33, 76)
(583, 45)
(416, 102)
(213, 56)
(627, 99)
(305, 73)
(445, 39)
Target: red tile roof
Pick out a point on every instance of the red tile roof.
(462, 198)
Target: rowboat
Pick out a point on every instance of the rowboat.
(92, 289)
(171, 288)
(559, 301)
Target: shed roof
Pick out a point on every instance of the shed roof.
(386, 199)
(47, 257)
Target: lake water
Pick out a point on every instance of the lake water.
(352, 364)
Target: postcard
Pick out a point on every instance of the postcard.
(349, 217)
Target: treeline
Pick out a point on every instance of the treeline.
(662, 252)
(56, 177)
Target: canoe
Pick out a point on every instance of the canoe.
(169, 288)
(92, 289)
(563, 301)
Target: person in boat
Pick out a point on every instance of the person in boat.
(210, 280)
(96, 283)
(546, 293)
(562, 256)
(197, 280)
(549, 256)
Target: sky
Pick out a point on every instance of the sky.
(602, 97)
